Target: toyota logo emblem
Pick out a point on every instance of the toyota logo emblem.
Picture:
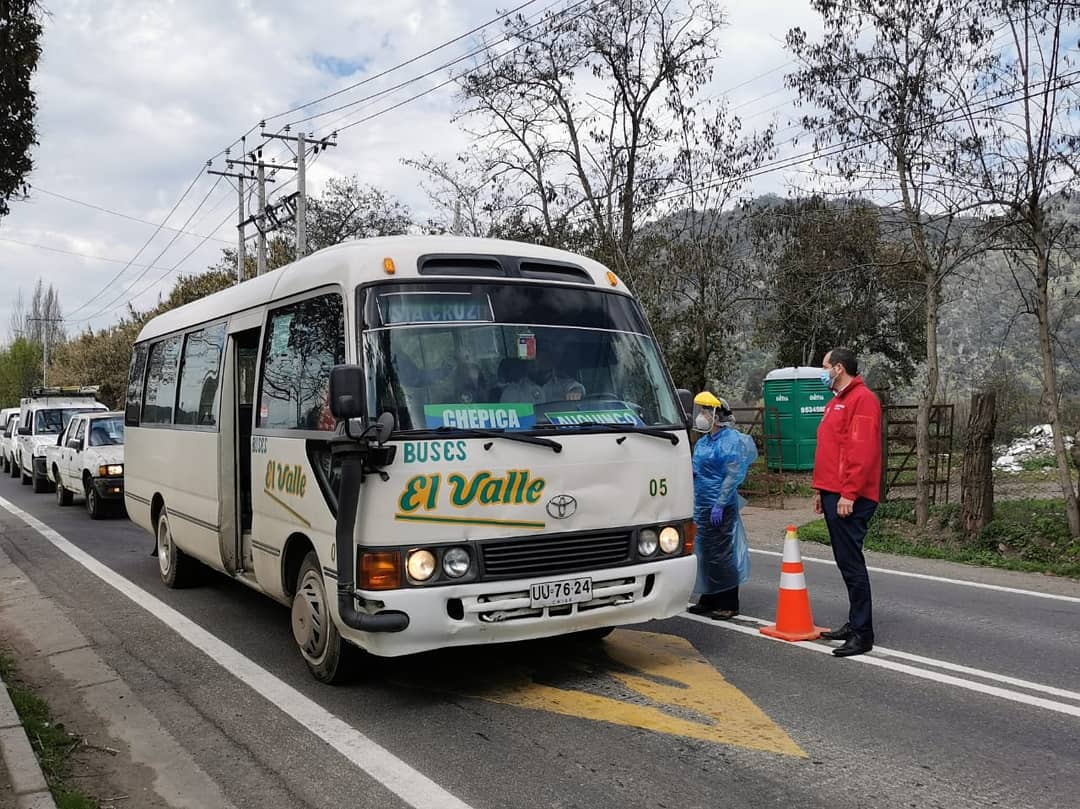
(561, 506)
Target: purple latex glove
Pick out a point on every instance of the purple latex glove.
(717, 515)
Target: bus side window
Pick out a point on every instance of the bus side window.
(302, 342)
(198, 397)
(136, 378)
(161, 382)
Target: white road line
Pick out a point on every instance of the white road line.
(413, 787)
(947, 666)
(927, 577)
(880, 662)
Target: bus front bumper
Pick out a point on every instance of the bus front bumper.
(501, 611)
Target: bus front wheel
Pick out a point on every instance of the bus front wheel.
(176, 567)
(316, 635)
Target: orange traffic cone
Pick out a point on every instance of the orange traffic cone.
(793, 619)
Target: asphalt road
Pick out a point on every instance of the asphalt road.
(973, 699)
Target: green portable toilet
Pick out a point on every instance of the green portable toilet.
(794, 402)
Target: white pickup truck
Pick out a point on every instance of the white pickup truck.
(88, 459)
(43, 416)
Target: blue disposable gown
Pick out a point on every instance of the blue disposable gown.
(721, 462)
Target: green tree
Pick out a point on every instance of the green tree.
(572, 119)
(834, 280)
(20, 370)
(349, 209)
(880, 80)
(20, 48)
(1021, 160)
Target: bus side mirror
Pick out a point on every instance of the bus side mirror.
(686, 399)
(347, 392)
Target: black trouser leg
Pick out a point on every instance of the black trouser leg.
(846, 535)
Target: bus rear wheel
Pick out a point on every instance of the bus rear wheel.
(177, 569)
(321, 645)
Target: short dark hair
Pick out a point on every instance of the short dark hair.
(847, 358)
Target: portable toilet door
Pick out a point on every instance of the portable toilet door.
(794, 403)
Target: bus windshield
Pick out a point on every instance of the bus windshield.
(514, 357)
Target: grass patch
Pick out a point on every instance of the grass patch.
(1028, 535)
(52, 742)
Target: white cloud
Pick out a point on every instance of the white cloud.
(134, 96)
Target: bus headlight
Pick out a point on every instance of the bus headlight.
(669, 539)
(647, 542)
(455, 562)
(420, 564)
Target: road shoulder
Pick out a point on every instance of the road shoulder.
(125, 751)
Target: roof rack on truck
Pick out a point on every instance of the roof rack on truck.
(40, 391)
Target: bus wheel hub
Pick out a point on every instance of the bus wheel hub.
(308, 617)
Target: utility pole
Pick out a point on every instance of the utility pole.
(259, 217)
(260, 173)
(241, 242)
(45, 344)
(300, 154)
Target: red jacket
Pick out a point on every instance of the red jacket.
(848, 457)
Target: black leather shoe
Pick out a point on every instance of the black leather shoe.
(843, 633)
(855, 645)
(700, 609)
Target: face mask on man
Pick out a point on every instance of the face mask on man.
(703, 423)
(826, 379)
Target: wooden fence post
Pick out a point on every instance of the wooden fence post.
(883, 397)
(977, 475)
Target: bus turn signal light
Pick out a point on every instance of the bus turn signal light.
(380, 570)
(689, 535)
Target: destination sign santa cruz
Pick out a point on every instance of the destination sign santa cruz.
(423, 495)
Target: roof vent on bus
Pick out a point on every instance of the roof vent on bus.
(544, 271)
(487, 266)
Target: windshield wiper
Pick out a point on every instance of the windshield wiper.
(625, 428)
(471, 432)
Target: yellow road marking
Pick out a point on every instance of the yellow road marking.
(677, 691)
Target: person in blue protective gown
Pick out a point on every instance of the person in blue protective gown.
(721, 459)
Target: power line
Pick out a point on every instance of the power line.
(39, 189)
(73, 252)
(454, 79)
(438, 69)
(146, 244)
(400, 65)
(141, 275)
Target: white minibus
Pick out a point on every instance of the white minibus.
(511, 459)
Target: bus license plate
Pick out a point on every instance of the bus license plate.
(559, 593)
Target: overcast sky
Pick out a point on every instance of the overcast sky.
(134, 96)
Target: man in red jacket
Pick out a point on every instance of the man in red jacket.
(847, 477)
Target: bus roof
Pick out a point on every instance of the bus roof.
(362, 260)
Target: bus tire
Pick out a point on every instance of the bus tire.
(177, 569)
(324, 650)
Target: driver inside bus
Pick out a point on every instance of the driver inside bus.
(561, 381)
